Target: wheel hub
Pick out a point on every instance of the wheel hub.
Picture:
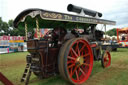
(79, 61)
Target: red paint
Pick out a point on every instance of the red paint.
(93, 45)
(4, 80)
(107, 59)
(79, 73)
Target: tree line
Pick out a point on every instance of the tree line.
(112, 32)
(6, 28)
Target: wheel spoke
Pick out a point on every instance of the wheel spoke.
(105, 55)
(74, 52)
(72, 58)
(77, 76)
(78, 52)
(105, 59)
(82, 54)
(87, 54)
(82, 67)
(77, 49)
(73, 71)
(105, 63)
(70, 66)
(82, 71)
(68, 62)
(86, 64)
(78, 70)
(82, 47)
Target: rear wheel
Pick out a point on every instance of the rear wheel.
(61, 59)
(77, 61)
(106, 59)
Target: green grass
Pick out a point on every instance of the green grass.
(12, 66)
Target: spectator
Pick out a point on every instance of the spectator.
(123, 38)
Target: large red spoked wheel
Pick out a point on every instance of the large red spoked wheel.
(106, 59)
(76, 61)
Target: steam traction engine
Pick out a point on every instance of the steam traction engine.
(63, 50)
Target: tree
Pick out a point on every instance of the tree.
(3, 27)
(11, 29)
(112, 32)
(7, 28)
(10, 23)
(15, 31)
(0, 23)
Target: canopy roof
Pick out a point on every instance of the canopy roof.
(50, 18)
(123, 30)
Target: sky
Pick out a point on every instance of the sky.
(115, 10)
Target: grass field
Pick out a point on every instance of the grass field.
(12, 66)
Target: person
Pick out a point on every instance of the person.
(123, 38)
(22, 48)
(8, 49)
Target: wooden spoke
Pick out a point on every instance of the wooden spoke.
(82, 47)
(77, 48)
(82, 71)
(68, 62)
(72, 58)
(74, 52)
(77, 76)
(86, 64)
(73, 71)
(86, 54)
(70, 66)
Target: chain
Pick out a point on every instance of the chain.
(26, 31)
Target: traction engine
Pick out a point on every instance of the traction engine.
(64, 49)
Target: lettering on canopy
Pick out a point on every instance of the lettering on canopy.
(72, 18)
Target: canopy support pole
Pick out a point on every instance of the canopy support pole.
(105, 30)
(26, 31)
(37, 29)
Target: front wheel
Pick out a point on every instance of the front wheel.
(106, 59)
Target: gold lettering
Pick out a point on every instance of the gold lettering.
(67, 17)
(77, 18)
